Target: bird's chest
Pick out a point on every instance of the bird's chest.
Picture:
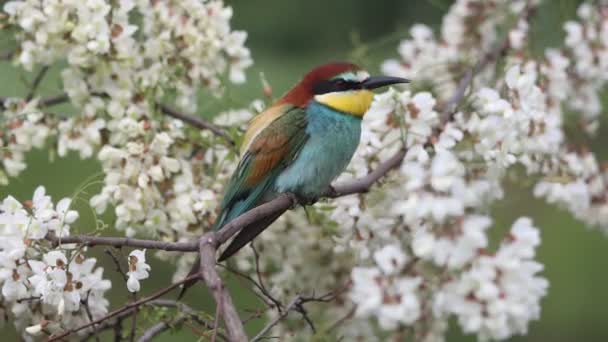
(333, 139)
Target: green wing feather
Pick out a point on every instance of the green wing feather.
(270, 152)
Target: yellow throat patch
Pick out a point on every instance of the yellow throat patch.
(355, 102)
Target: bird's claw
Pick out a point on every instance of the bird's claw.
(331, 191)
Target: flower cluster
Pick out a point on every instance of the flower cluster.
(469, 28)
(499, 294)
(22, 127)
(123, 59)
(44, 288)
(118, 68)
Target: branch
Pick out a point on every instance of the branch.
(36, 83)
(197, 122)
(223, 300)
(123, 241)
(129, 307)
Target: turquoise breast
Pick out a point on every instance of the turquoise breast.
(333, 139)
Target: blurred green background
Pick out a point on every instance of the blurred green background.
(286, 39)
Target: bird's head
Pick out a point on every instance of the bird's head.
(344, 87)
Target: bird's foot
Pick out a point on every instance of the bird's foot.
(331, 192)
(301, 200)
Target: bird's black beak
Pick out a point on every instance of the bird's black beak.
(381, 81)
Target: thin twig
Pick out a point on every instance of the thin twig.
(120, 270)
(185, 309)
(157, 329)
(343, 319)
(54, 100)
(85, 303)
(134, 320)
(90, 241)
(262, 287)
(277, 319)
(197, 122)
(36, 83)
(247, 277)
(116, 263)
(118, 329)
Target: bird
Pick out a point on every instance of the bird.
(300, 144)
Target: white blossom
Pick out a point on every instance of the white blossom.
(138, 269)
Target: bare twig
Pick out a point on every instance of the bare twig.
(116, 261)
(261, 296)
(197, 122)
(118, 328)
(292, 305)
(88, 240)
(54, 100)
(37, 80)
(134, 320)
(134, 294)
(343, 319)
(185, 309)
(261, 286)
(157, 329)
(85, 303)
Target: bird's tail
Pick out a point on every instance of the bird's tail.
(246, 234)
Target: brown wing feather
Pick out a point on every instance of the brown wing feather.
(268, 151)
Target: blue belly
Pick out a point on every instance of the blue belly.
(333, 139)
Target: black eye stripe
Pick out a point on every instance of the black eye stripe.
(330, 86)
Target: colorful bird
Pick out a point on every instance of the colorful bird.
(300, 144)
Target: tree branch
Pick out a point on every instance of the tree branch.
(223, 300)
(90, 241)
(197, 122)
